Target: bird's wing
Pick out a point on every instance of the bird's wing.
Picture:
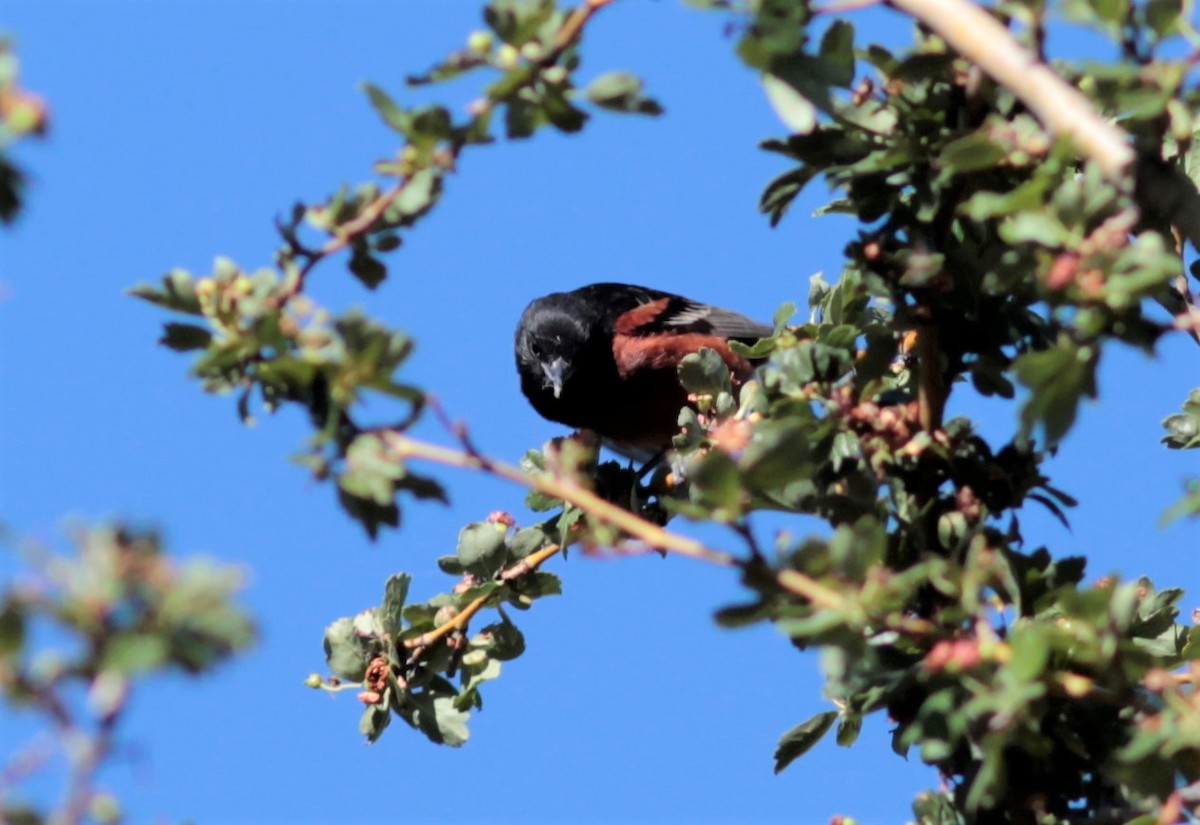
(689, 316)
(642, 311)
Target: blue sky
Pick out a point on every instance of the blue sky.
(179, 131)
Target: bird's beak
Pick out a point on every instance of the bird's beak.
(555, 374)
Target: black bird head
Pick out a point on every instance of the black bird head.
(553, 334)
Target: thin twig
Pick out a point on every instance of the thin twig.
(345, 235)
(572, 27)
(83, 774)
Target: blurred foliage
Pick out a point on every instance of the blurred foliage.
(79, 631)
(22, 114)
(991, 257)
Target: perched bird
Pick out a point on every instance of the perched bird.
(605, 358)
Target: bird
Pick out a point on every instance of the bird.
(605, 358)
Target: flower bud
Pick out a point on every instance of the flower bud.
(507, 57)
(480, 41)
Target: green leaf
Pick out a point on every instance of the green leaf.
(795, 110)
(429, 125)
(1191, 648)
(420, 193)
(439, 719)
(1188, 506)
(452, 723)
(481, 548)
(1031, 643)
(1037, 228)
(780, 193)
(621, 92)
(704, 373)
(394, 594)
(134, 653)
(1028, 196)
(837, 53)
(528, 540)
(849, 727)
(970, 153)
(178, 293)
(539, 502)
(800, 739)
(786, 310)
(560, 112)
(344, 654)
(716, 482)
(1183, 428)
(743, 615)
(1058, 379)
(12, 631)
(543, 584)
(374, 721)
(778, 453)
(507, 641)
(368, 269)
(520, 118)
(422, 488)
(1163, 16)
(450, 565)
(185, 337)
(388, 109)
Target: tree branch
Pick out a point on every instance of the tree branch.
(932, 390)
(526, 565)
(404, 447)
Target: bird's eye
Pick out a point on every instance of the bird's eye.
(535, 348)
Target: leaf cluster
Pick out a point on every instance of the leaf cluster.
(22, 114)
(404, 655)
(78, 634)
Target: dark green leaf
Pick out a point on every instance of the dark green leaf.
(704, 373)
(520, 118)
(1058, 379)
(837, 53)
(716, 482)
(185, 337)
(780, 193)
(507, 641)
(374, 721)
(800, 739)
(394, 594)
(344, 654)
(12, 631)
(481, 548)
